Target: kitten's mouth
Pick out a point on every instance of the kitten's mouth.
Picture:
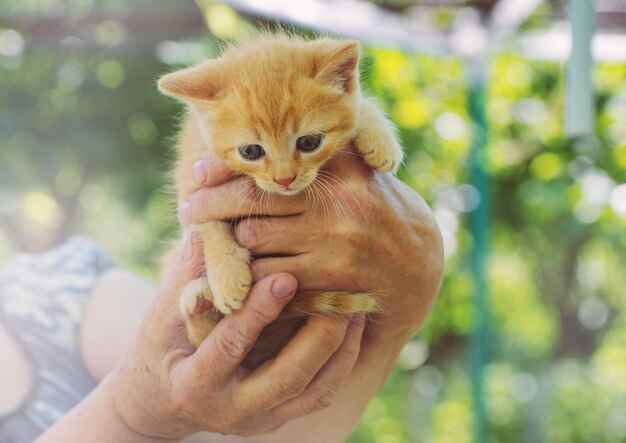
(288, 191)
(282, 190)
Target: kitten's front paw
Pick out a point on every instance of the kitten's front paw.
(231, 288)
(384, 159)
(196, 298)
(380, 150)
(197, 310)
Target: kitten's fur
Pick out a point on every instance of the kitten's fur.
(269, 92)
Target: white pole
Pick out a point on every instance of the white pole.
(579, 105)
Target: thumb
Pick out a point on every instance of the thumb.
(228, 344)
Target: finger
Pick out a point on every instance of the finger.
(315, 270)
(297, 265)
(274, 235)
(323, 389)
(236, 199)
(210, 170)
(224, 349)
(293, 369)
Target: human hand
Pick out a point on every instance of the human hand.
(164, 389)
(366, 232)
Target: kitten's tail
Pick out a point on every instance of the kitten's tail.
(308, 303)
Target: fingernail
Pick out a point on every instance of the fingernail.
(184, 214)
(283, 287)
(187, 249)
(358, 319)
(199, 172)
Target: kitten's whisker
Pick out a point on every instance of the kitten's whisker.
(306, 198)
(265, 205)
(344, 185)
(325, 205)
(258, 196)
(315, 193)
(241, 202)
(333, 199)
(222, 201)
(328, 200)
(313, 199)
(356, 154)
(342, 208)
(318, 200)
(307, 201)
(320, 196)
(249, 200)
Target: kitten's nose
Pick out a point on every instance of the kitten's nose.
(286, 181)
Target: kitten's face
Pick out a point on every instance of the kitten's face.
(282, 145)
(282, 108)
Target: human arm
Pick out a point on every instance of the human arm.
(378, 236)
(164, 390)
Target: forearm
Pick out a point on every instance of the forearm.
(94, 420)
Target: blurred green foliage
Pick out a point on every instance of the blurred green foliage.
(85, 147)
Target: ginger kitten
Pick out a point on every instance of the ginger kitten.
(275, 109)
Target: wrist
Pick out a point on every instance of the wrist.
(128, 430)
(95, 419)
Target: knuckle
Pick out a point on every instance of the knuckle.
(341, 265)
(247, 234)
(352, 252)
(321, 398)
(259, 269)
(351, 353)
(261, 316)
(231, 341)
(354, 244)
(245, 190)
(291, 382)
(351, 350)
(337, 276)
(331, 334)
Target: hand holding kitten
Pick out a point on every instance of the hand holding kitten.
(383, 239)
(167, 390)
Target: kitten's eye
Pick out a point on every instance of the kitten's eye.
(309, 143)
(251, 152)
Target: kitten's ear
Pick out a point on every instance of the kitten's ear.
(202, 82)
(337, 63)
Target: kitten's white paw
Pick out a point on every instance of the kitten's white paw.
(231, 286)
(196, 298)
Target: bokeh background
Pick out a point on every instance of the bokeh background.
(527, 342)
